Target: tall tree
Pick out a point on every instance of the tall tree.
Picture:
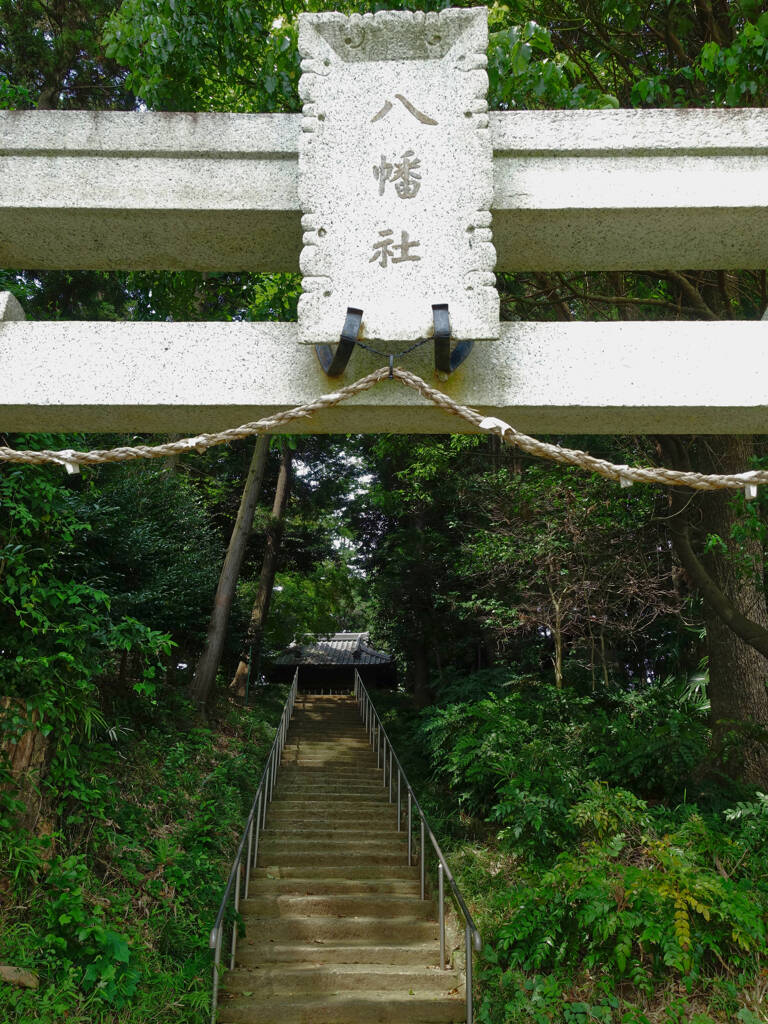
(52, 55)
(714, 54)
(274, 539)
(208, 663)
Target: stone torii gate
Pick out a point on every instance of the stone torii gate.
(407, 186)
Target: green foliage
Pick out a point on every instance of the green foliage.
(521, 757)
(51, 55)
(116, 922)
(525, 70)
(184, 55)
(154, 574)
(13, 97)
(632, 906)
(75, 935)
(312, 603)
(735, 73)
(57, 631)
(594, 903)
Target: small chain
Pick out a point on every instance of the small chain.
(393, 355)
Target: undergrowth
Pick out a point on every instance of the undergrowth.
(615, 877)
(113, 910)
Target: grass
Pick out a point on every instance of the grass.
(113, 912)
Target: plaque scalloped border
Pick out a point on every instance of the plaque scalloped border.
(397, 35)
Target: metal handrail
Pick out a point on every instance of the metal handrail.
(388, 760)
(239, 879)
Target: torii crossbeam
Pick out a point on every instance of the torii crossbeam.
(571, 190)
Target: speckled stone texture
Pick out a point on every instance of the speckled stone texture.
(573, 190)
(10, 309)
(115, 190)
(684, 377)
(396, 174)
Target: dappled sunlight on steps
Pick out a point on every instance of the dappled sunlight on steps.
(335, 931)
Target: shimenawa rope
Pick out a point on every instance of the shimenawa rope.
(625, 475)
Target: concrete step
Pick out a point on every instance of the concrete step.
(335, 930)
(312, 790)
(285, 812)
(326, 858)
(327, 726)
(332, 886)
(374, 802)
(361, 754)
(332, 830)
(344, 777)
(366, 773)
(338, 905)
(405, 927)
(334, 719)
(338, 832)
(349, 1008)
(289, 979)
(329, 731)
(340, 846)
(358, 741)
(319, 771)
(292, 775)
(311, 757)
(252, 953)
(297, 790)
(307, 761)
(329, 747)
(320, 767)
(353, 872)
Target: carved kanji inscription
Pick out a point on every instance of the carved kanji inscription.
(396, 174)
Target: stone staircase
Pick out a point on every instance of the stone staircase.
(335, 931)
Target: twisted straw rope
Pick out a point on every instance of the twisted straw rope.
(625, 475)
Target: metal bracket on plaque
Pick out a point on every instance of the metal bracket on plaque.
(446, 359)
(334, 358)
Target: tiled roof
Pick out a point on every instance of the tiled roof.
(339, 649)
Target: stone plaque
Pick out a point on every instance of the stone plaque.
(396, 174)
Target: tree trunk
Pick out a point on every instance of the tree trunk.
(208, 664)
(423, 635)
(556, 629)
(26, 755)
(269, 568)
(422, 691)
(737, 670)
(729, 577)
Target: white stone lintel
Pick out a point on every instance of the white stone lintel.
(540, 377)
(573, 190)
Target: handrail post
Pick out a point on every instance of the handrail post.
(410, 830)
(216, 963)
(258, 822)
(468, 944)
(248, 857)
(441, 901)
(399, 808)
(423, 858)
(234, 925)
